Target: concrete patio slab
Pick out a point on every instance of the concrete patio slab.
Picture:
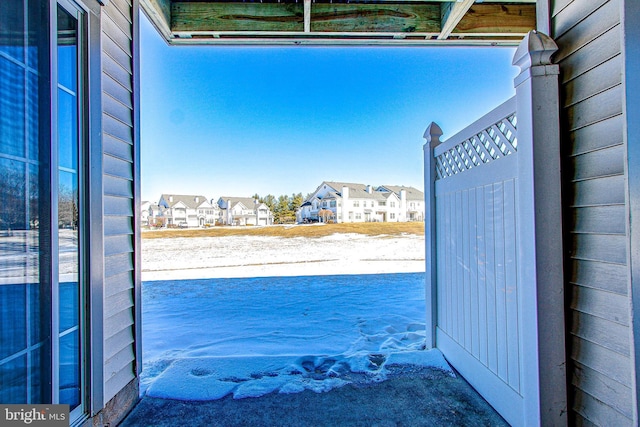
(424, 397)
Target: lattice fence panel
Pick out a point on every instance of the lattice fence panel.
(496, 141)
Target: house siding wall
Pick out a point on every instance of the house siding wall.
(588, 34)
(118, 122)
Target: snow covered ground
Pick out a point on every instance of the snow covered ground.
(255, 256)
(297, 314)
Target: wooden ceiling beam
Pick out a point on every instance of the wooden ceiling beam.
(356, 21)
(498, 19)
(324, 17)
(392, 18)
(452, 13)
(197, 16)
(307, 16)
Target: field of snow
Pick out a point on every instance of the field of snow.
(256, 256)
(297, 314)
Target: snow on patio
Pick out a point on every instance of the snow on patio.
(249, 336)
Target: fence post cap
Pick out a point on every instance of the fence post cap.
(433, 134)
(535, 49)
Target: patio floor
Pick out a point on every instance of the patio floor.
(428, 397)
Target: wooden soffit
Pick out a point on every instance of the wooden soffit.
(462, 22)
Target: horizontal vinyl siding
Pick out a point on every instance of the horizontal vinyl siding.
(593, 328)
(116, 167)
(118, 283)
(118, 225)
(119, 206)
(117, 264)
(598, 413)
(597, 385)
(118, 187)
(120, 340)
(588, 37)
(599, 219)
(119, 302)
(118, 320)
(598, 275)
(118, 196)
(602, 134)
(605, 162)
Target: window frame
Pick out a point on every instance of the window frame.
(90, 169)
(82, 14)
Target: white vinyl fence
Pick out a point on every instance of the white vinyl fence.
(494, 255)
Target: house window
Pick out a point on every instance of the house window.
(356, 203)
(332, 204)
(364, 204)
(382, 203)
(42, 188)
(358, 215)
(392, 216)
(392, 204)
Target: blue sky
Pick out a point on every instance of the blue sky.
(235, 121)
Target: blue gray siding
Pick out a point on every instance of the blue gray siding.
(118, 195)
(588, 34)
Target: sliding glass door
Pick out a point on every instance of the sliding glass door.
(25, 203)
(42, 144)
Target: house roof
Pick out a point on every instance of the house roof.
(401, 22)
(359, 191)
(190, 201)
(331, 195)
(355, 190)
(412, 193)
(157, 209)
(247, 202)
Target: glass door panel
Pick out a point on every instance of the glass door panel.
(69, 237)
(41, 279)
(25, 251)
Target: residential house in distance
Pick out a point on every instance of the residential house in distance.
(243, 211)
(187, 210)
(352, 202)
(156, 215)
(152, 215)
(414, 207)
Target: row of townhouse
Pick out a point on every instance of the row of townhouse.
(180, 210)
(352, 202)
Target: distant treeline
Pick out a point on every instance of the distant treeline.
(283, 207)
